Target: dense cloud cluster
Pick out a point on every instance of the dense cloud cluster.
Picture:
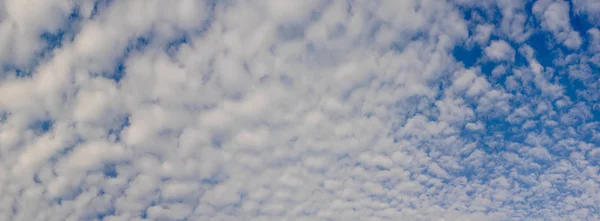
(299, 110)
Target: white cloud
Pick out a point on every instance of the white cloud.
(500, 50)
(590, 8)
(483, 33)
(594, 40)
(514, 22)
(308, 110)
(554, 16)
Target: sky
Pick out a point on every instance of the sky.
(307, 110)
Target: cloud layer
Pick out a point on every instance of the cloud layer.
(299, 110)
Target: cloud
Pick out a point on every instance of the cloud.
(308, 110)
(483, 33)
(514, 24)
(554, 16)
(500, 50)
(594, 38)
(588, 8)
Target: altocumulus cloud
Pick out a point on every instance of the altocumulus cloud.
(299, 110)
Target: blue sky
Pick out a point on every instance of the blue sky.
(299, 110)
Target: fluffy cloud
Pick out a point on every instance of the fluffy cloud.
(588, 8)
(554, 17)
(500, 50)
(303, 110)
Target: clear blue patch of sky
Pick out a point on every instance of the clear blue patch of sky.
(110, 170)
(468, 56)
(42, 126)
